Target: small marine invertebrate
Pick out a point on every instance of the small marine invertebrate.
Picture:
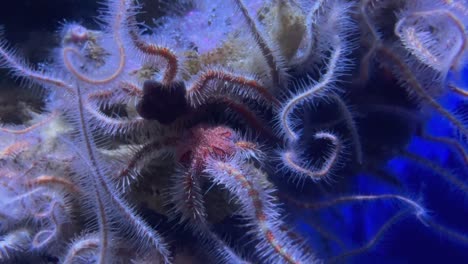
(200, 120)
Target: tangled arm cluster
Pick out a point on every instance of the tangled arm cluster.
(239, 114)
